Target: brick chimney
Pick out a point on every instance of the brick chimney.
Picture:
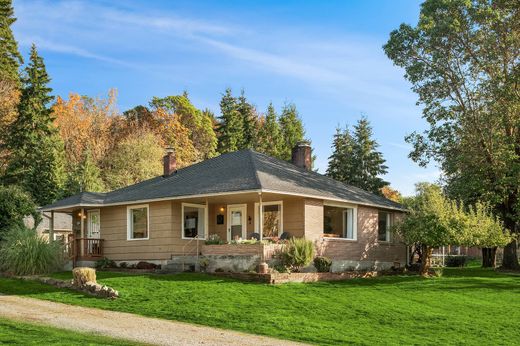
(169, 161)
(301, 155)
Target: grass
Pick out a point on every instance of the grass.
(19, 333)
(464, 306)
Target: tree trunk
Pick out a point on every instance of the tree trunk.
(510, 259)
(426, 259)
(489, 257)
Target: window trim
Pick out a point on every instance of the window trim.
(129, 221)
(354, 223)
(257, 218)
(389, 221)
(194, 205)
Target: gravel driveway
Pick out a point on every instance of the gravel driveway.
(123, 325)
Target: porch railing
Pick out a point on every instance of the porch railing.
(185, 250)
(84, 248)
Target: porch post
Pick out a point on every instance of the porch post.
(261, 216)
(51, 227)
(82, 231)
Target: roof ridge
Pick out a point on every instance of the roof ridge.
(255, 169)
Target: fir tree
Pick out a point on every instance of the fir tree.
(36, 162)
(10, 58)
(292, 131)
(85, 177)
(341, 161)
(355, 159)
(248, 116)
(269, 136)
(230, 128)
(368, 163)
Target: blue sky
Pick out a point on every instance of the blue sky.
(325, 56)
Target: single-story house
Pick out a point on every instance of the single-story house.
(233, 197)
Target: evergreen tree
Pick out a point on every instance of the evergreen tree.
(341, 161)
(368, 163)
(230, 129)
(10, 58)
(292, 131)
(36, 162)
(269, 135)
(86, 177)
(249, 119)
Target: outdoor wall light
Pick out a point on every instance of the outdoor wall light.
(221, 209)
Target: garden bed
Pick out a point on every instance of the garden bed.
(281, 278)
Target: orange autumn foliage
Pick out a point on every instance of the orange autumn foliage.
(84, 124)
(391, 194)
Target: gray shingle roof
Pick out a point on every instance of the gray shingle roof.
(237, 171)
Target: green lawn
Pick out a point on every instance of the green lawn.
(465, 306)
(18, 333)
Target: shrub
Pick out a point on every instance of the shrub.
(15, 204)
(105, 263)
(82, 275)
(24, 252)
(456, 261)
(123, 265)
(214, 239)
(297, 253)
(280, 268)
(437, 272)
(322, 264)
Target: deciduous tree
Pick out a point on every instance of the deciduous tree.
(198, 123)
(10, 61)
(136, 158)
(462, 60)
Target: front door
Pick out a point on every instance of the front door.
(236, 221)
(93, 233)
(93, 224)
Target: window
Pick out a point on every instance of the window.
(138, 222)
(383, 226)
(194, 222)
(272, 221)
(339, 222)
(348, 223)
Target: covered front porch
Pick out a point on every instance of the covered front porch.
(85, 242)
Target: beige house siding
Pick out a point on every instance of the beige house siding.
(161, 242)
(366, 247)
(313, 218)
(301, 217)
